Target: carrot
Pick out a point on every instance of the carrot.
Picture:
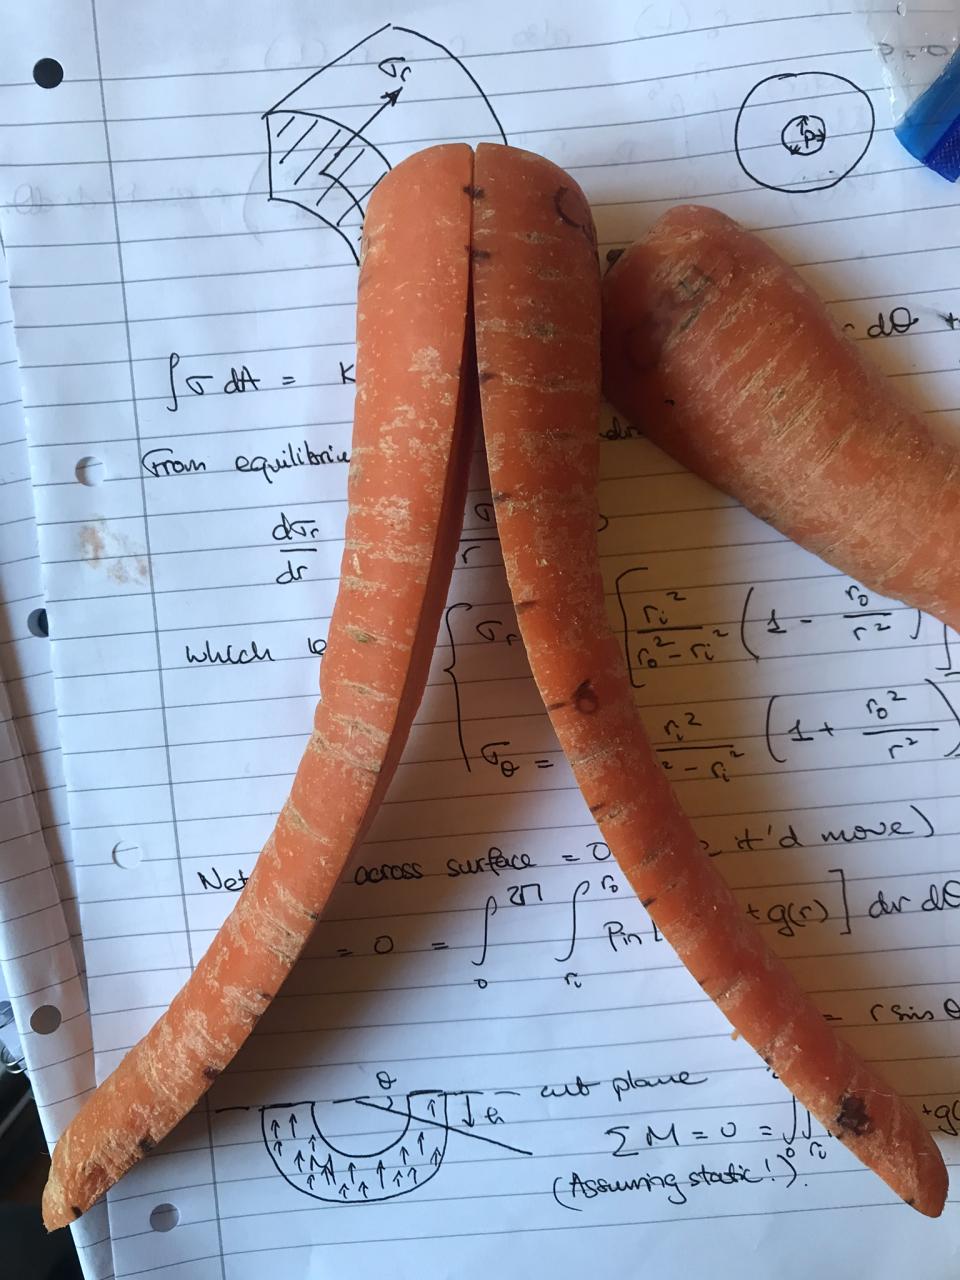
(729, 361)
(537, 313)
(407, 488)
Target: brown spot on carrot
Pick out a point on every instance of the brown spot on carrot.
(487, 375)
(313, 915)
(523, 605)
(692, 285)
(613, 255)
(853, 1117)
(687, 321)
(475, 193)
(910, 1201)
(479, 255)
(76, 1211)
(545, 331)
(560, 196)
(595, 808)
(585, 698)
(211, 1073)
(669, 402)
(555, 706)
(499, 495)
(265, 995)
(146, 1144)
(648, 902)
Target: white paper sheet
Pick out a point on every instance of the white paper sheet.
(24, 650)
(41, 952)
(483, 972)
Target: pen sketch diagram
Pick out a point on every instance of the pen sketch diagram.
(803, 131)
(327, 159)
(391, 1151)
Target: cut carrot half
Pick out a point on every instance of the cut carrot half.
(407, 488)
(536, 295)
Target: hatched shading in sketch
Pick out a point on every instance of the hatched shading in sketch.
(328, 138)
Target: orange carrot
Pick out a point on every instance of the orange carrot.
(407, 487)
(537, 313)
(729, 361)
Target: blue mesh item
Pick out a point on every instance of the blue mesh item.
(930, 129)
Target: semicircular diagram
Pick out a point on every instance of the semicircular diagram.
(337, 132)
(386, 1152)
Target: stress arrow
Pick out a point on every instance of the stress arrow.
(278, 1147)
(293, 1125)
(380, 1173)
(275, 1128)
(298, 1161)
(403, 1154)
(351, 1169)
(363, 1190)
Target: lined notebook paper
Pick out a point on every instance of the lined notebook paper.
(488, 1061)
(40, 946)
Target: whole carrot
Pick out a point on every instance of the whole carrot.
(537, 313)
(730, 362)
(407, 488)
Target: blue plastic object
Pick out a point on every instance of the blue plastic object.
(930, 129)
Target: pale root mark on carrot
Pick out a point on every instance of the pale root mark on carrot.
(412, 395)
(540, 269)
(726, 359)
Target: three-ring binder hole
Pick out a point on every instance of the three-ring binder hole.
(164, 1217)
(48, 73)
(126, 855)
(37, 623)
(90, 471)
(45, 1019)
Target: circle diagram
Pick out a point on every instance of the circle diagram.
(803, 131)
(804, 135)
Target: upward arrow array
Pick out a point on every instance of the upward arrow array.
(373, 1166)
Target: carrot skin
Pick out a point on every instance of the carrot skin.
(536, 292)
(730, 362)
(406, 492)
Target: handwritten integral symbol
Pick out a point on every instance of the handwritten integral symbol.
(803, 131)
(327, 158)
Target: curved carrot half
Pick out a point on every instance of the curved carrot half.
(730, 362)
(537, 314)
(407, 487)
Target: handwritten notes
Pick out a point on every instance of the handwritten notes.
(488, 1060)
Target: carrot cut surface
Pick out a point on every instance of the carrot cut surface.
(406, 493)
(536, 294)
